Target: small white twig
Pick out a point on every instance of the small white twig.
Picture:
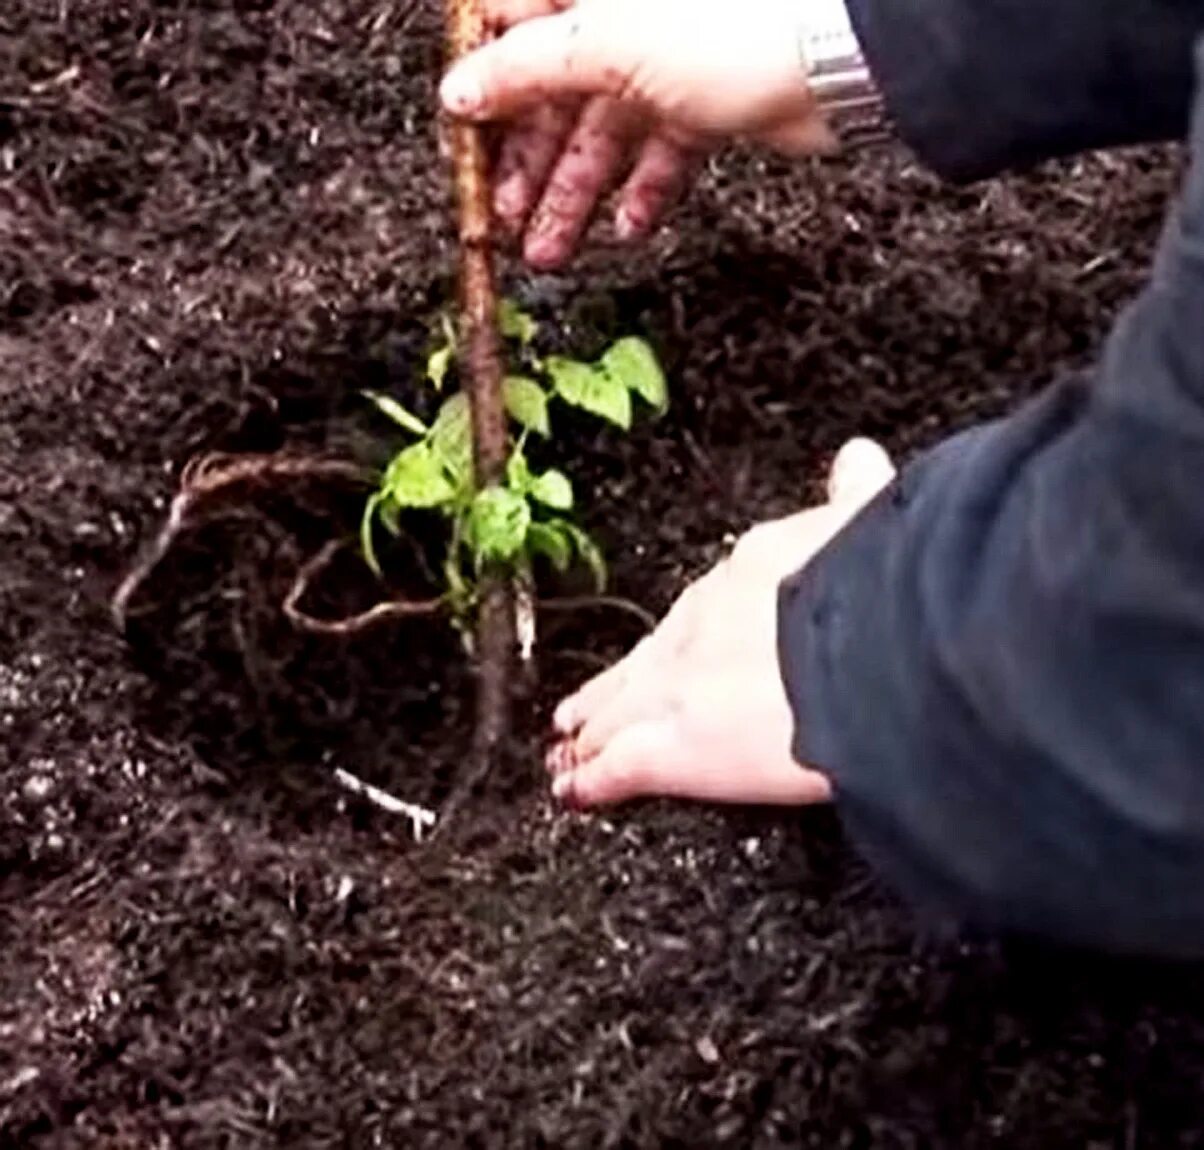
(420, 818)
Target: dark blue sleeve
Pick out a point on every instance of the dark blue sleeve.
(1001, 661)
(976, 86)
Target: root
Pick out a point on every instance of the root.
(211, 475)
(601, 602)
(420, 817)
(351, 624)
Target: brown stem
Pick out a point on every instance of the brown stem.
(484, 374)
(350, 624)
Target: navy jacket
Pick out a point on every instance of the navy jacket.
(1000, 663)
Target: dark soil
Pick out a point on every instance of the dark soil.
(218, 221)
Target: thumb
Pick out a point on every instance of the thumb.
(860, 470)
(539, 60)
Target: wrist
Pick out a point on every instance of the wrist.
(839, 80)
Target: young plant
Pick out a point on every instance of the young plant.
(529, 514)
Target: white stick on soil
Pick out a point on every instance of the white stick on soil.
(420, 818)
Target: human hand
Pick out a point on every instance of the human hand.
(605, 92)
(698, 710)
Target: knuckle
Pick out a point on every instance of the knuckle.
(753, 547)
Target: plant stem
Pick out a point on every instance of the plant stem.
(482, 361)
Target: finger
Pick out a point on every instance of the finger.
(860, 470)
(645, 661)
(657, 179)
(528, 154)
(640, 761)
(650, 760)
(549, 57)
(640, 700)
(503, 14)
(577, 708)
(587, 170)
(562, 757)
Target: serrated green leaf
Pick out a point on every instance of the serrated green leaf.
(497, 524)
(451, 436)
(553, 489)
(589, 551)
(387, 405)
(551, 541)
(633, 362)
(591, 389)
(416, 477)
(514, 323)
(437, 364)
(527, 404)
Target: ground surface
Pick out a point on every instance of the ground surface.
(218, 221)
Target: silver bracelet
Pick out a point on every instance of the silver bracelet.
(839, 78)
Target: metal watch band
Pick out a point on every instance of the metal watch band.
(839, 78)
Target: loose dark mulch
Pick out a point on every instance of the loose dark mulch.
(218, 222)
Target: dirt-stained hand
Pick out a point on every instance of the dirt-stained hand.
(698, 710)
(604, 93)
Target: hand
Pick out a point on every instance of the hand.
(605, 89)
(698, 710)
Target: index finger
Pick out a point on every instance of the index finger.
(503, 14)
(571, 53)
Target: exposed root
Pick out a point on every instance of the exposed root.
(211, 475)
(601, 602)
(420, 817)
(350, 624)
(208, 474)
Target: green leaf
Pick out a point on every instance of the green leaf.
(634, 364)
(527, 404)
(366, 543)
(551, 541)
(554, 490)
(497, 524)
(591, 389)
(390, 517)
(437, 364)
(416, 478)
(515, 323)
(398, 414)
(589, 551)
(451, 436)
(518, 474)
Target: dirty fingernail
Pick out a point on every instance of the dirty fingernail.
(626, 225)
(509, 198)
(543, 252)
(558, 759)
